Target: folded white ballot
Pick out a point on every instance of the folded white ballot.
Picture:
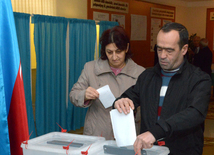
(106, 96)
(123, 127)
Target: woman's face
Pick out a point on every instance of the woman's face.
(115, 56)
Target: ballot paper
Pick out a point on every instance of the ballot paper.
(123, 127)
(106, 96)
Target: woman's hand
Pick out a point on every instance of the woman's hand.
(91, 94)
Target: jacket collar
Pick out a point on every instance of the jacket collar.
(102, 66)
(157, 67)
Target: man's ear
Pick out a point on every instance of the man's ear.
(184, 49)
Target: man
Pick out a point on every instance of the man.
(193, 48)
(203, 59)
(173, 97)
(196, 41)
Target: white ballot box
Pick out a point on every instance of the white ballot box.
(56, 143)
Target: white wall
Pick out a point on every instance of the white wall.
(63, 8)
(181, 15)
(71, 8)
(194, 18)
(196, 22)
(191, 14)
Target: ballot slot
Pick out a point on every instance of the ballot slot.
(65, 143)
(114, 150)
(110, 148)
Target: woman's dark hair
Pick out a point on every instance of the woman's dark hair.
(118, 36)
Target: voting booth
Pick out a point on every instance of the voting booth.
(58, 143)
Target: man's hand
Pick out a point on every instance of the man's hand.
(124, 105)
(143, 141)
(91, 94)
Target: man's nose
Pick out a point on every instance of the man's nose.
(163, 54)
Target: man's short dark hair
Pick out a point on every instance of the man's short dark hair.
(118, 36)
(183, 33)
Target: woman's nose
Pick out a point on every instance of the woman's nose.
(114, 55)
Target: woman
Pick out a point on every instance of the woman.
(114, 68)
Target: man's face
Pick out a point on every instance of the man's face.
(196, 41)
(169, 54)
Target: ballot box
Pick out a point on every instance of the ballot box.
(110, 148)
(58, 143)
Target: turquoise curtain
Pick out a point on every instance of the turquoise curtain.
(104, 25)
(50, 46)
(82, 37)
(22, 22)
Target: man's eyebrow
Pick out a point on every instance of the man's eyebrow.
(165, 48)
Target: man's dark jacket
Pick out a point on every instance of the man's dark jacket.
(183, 111)
(203, 60)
